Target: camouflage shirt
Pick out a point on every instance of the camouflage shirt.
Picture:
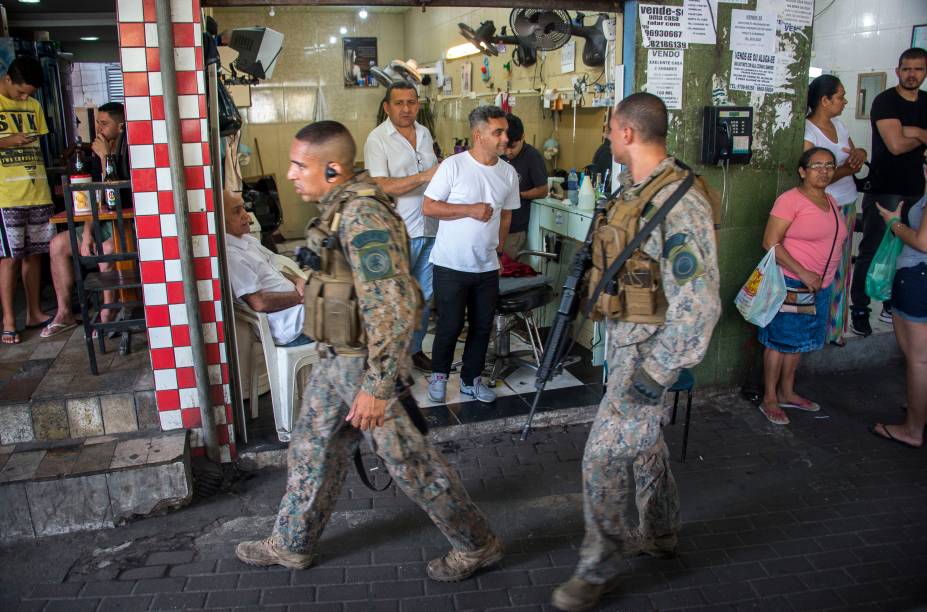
(685, 246)
(372, 237)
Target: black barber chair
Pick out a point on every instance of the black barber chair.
(518, 298)
(261, 198)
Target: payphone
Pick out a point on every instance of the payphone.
(727, 135)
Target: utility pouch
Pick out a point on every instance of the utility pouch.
(331, 313)
(606, 246)
(641, 287)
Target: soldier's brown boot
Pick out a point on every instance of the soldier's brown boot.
(576, 595)
(264, 553)
(459, 565)
(663, 547)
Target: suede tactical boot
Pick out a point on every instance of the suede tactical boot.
(459, 565)
(576, 595)
(660, 548)
(263, 553)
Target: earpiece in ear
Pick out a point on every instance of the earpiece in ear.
(330, 173)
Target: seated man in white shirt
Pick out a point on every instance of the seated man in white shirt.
(256, 280)
(473, 194)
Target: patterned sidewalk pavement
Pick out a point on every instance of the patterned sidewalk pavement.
(817, 515)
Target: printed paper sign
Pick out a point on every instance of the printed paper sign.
(753, 72)
(698, 24)
(661, 26)
(753, 31)
(568, 57)
(796, 13)
(664, 76)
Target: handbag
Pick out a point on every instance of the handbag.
(801, 300)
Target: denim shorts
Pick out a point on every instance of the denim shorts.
(909, 293)
(790, 332)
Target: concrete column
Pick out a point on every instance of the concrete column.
(156, 224)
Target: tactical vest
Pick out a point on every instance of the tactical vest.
(635, 294)
(332, 311)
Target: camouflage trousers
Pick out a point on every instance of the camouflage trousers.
(321, 447)
(625, 456)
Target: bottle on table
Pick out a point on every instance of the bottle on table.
(78, 174)
(573, 187)
(111, 196)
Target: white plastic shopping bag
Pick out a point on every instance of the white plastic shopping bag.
(762, 295)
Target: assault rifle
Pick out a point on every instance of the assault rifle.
(559, 339)
(557, 348)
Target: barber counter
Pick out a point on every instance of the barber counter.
(558, 227)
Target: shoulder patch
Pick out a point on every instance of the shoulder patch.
(683, 258)
(373, 236)
(375, 262)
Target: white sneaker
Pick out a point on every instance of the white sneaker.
(437, 388)
(478, 391)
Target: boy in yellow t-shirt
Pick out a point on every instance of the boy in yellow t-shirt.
(25, 199)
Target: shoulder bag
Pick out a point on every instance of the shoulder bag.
(801, 300)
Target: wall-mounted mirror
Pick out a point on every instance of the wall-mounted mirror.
(868, 86)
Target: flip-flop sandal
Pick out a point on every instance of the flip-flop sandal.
(888, 435)
(9, 334)
(42, 324)
(808, 407)
(771, 419)
(53, 329)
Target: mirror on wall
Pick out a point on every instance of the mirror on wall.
(868, 86)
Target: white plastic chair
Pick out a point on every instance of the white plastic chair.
(282, 363)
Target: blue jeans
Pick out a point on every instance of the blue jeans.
(420, 267)
(300, 340)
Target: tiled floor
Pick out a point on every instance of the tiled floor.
(579, 385)
(37, 368)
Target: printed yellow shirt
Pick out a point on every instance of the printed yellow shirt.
(22, 170)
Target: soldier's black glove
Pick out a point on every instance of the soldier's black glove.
(307, 258)
(644, 388)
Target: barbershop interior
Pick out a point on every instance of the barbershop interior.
(128, 357)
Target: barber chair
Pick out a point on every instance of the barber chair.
(263, 201)
(518, 298)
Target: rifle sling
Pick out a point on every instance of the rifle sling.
(362, 473)
(638, 239)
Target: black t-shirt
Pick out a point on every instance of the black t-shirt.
(529, 164)
(602, 160)
(897, 174)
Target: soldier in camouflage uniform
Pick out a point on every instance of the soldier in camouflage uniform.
(626, 459)
(350, 396)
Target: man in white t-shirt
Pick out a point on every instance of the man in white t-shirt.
(256, 280)
(473, 194)
(399, 156)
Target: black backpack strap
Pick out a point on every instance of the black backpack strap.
(638, 239)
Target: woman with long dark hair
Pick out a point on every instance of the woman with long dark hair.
(823, 128)
(808, 233)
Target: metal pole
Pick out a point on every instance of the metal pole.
(228, 312)
(184, 240)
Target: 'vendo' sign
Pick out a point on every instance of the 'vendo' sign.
(662, 26)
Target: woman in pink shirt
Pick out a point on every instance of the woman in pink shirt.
(805, 227)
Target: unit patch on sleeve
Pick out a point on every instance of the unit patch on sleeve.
(683, 258)
(373, 252)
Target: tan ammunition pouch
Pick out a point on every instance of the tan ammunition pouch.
(636, 293)
(332, 311)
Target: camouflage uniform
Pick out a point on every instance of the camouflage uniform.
(626, 435)
(322, 442)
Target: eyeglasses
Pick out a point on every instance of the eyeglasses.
(822, 167)
(419, 162)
